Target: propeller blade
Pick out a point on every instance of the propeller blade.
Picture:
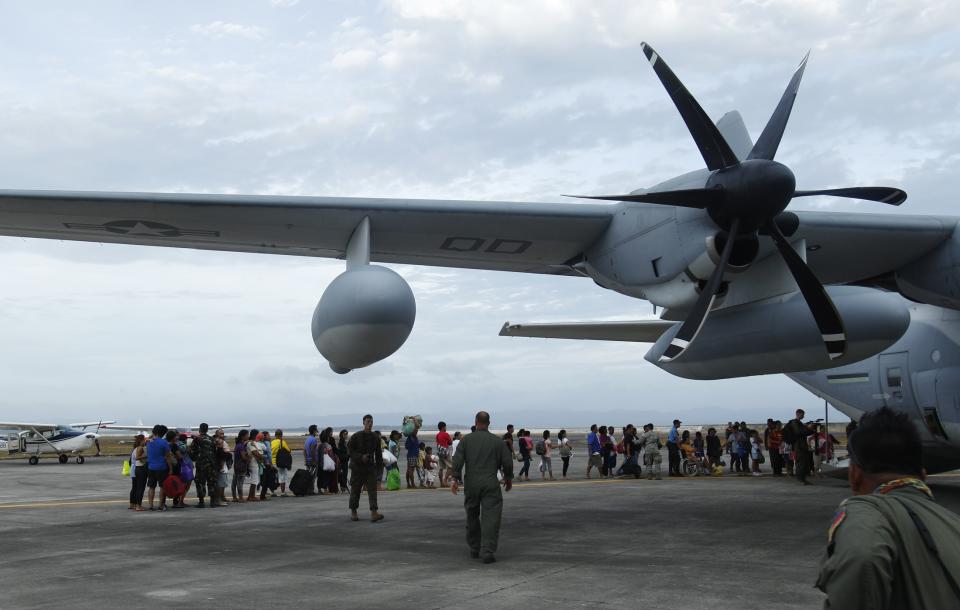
(698, 315)
(883, 194)
(687, 198)
(713, 147)
(824, 311)
(769, 140)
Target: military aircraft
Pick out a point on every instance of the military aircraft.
(747, 286)
(36, 439)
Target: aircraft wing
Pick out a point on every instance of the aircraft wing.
(506, 236)
(224, 426)
(86, 424)
(850, 247)
(26, 426)
(641, 331)
(141, 427)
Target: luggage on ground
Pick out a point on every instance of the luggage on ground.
(268, 480)
(173, 486)
(302, 482)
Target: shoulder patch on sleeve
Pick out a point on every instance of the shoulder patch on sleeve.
(838, 518)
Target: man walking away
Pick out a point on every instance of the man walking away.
(673, 448)
(366, 458)
(651, 452)
(890, 545)
(204, 455)
(796, 434)
(478, 459)
(595, 448)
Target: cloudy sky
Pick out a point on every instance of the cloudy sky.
(414, 98)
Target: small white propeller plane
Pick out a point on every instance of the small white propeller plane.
(36, 439)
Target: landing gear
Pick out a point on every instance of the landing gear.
(63, 458)
(33, 460)
(79, 459)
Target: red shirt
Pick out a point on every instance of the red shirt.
(443, 439)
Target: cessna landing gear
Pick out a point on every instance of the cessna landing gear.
(79, 459)
(63, 458)
(33, 460)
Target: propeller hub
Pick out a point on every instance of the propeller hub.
(754, 191)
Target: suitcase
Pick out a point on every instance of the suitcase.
(302, 482)
(268, 480)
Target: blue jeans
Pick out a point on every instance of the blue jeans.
(526, 467)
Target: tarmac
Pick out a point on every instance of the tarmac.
(721, 542)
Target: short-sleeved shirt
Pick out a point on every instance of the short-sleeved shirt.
(157, 450)
(593, 442)
(413, 447)
(673, 435)
(310, 449)
(443, 439)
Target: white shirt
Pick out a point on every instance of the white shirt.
(453, 447)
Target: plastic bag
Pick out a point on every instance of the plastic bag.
(388, 458)
(393, 479)
(411, 422)
(126, 468)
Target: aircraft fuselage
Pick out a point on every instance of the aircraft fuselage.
(918, 375)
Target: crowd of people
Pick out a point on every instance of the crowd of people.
(256, 465)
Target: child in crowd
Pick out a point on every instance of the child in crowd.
(421, 473)
(755, 448)
(431, 465)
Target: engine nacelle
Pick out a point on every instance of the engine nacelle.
(364, 315)
(779, 335)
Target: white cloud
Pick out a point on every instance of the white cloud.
(221, 29)
(494, 100)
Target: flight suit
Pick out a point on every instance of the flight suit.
(651, 453)
(205, 461)
(360, 444)
(877, 556)
(478, 458)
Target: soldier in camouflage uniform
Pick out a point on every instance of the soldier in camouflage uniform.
(650, 441)
(203, 454)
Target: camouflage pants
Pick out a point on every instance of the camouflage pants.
(206, 480)
(652, 461)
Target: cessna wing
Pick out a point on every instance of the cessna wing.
(141, 427)
(29, 426)
(506, 236)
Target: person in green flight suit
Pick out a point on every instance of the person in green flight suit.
(479, 457)
(890, 545)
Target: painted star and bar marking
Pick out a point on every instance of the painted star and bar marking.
(141, 228)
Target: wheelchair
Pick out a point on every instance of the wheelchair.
(692, 467)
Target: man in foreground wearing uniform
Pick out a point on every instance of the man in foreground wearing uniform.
(890, 545)
(483, 454)
(366, 459)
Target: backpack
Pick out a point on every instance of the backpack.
(284, 458)
(541, 448)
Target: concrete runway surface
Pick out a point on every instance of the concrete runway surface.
(727, 542)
